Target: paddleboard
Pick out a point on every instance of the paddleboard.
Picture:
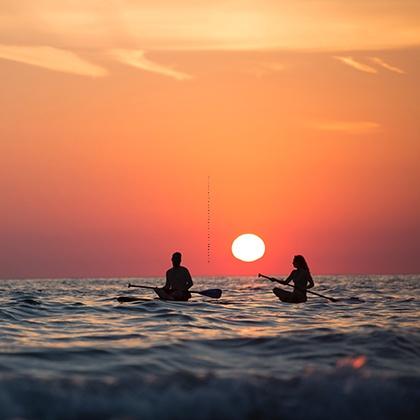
(123, 299)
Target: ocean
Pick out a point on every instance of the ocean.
(69, 350)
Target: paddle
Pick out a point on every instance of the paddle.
(211, 293)
(302, 290)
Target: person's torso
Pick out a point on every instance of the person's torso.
(178, 278)
(301, 280)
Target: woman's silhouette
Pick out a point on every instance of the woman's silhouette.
(302, 280)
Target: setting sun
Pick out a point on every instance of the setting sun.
(248, 247)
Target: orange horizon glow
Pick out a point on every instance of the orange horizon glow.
(114, 116)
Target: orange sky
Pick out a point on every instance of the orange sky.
(114, 114)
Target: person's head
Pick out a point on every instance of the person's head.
(300, 262)
(176, 259)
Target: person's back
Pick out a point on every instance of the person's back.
(178, 278)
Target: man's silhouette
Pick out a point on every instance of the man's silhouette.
(178, 281)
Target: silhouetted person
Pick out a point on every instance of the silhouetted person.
(178, 281)
(302, 280)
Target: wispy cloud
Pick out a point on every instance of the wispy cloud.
(350, 127)
(350, 61)
(52, 59)
(387, 66)
(266, 68)
(136, 58)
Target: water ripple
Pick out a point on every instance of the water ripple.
(64, 338)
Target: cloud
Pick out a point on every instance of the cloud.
(264, 69)
(51, 58)
(387, 66)
(350, 127)
(136, 58)
(350, 61)
(201, 25)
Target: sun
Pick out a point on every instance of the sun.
(248, 247)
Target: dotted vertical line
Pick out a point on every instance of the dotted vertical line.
(208, 220)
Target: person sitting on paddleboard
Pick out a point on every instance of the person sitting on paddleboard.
(302, 280)
(178, 281)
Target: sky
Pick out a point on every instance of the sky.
(116, 117)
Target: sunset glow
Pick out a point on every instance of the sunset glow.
(115, 114)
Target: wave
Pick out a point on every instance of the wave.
(70, 350)
(344, 394)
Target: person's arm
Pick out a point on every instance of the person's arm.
(168, 282)
(311, 282)
(188, 279)
(290, 278)
(286, 281)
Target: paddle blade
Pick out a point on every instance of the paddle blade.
(123, 299)
(212, 293)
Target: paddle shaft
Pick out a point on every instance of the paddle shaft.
(141, 287)
(298, 288)
(153, 288)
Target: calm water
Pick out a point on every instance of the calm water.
(69, 350)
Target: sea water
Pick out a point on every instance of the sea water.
(69, 350)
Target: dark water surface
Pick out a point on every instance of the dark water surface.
(69, 350)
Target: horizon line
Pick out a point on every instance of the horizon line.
(356, 274)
